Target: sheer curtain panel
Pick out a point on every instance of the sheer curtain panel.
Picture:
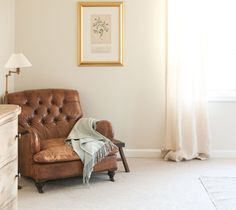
(187, 133)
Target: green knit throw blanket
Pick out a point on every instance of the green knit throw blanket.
(90, 145)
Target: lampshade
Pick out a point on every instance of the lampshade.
(17, 61)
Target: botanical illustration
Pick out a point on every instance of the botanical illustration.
(101, 29)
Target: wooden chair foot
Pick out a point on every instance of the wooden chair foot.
(111, 175)
(39, 186)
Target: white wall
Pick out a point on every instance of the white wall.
(7, 39)
(223, 125)
(132, 97)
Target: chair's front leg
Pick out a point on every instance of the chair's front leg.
(39, 186)
(111, 174)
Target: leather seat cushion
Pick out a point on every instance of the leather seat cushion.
(55, 150)
(56, 154)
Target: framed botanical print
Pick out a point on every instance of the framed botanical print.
(100, 33)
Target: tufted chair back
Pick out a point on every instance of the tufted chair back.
(50, 112)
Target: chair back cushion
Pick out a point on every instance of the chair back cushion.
(50, 112)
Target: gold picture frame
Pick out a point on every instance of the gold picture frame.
(100, 33)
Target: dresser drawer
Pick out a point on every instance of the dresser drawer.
(8, 184)
(8, 142)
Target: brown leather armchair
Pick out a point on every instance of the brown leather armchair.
(46, 119)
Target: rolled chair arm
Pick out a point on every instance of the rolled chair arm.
(28, 145)
(31, 138)
(105, 128)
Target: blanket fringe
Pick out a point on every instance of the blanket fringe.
(104, 151)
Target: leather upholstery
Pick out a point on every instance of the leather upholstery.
(105, 127)
(50, 112)
(47, 117)
(56, 154)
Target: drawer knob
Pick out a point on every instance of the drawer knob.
(18, 136)
(17, 175)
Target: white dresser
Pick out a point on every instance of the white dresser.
(8, 156)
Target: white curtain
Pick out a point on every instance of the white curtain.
(187, 133)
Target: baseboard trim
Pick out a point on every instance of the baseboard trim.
(223, 153)
(143, 153)
(156, 153)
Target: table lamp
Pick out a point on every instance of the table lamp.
(16, 61)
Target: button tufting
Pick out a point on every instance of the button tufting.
(29, 122)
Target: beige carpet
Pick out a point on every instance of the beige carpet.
(222, 191)
(152, 185)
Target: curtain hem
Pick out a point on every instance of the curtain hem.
(181, 156)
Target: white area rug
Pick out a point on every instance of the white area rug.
(222, 191)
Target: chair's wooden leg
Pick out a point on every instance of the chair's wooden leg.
(122, 155)
(39, 186)
(111, 174)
